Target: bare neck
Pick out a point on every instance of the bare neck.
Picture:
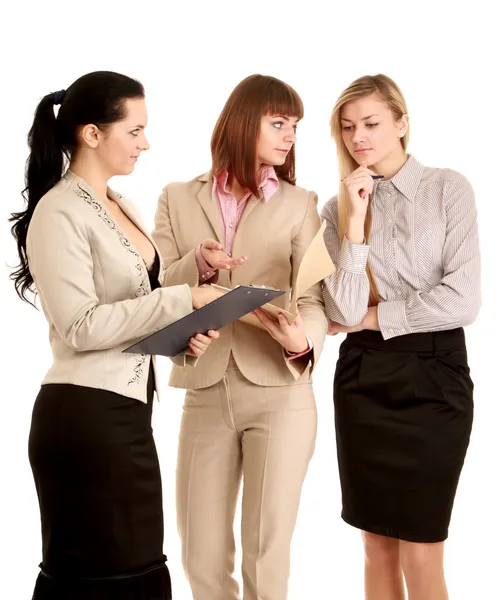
(391, 164)
(93, 174)
(238, 191)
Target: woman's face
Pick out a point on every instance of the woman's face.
(120, 145)
(277, 136)
(369, 130)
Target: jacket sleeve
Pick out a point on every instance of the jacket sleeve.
(60, 261)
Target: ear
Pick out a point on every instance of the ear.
(90, 135)
(403, 125)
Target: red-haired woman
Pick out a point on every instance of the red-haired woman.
(249, 409)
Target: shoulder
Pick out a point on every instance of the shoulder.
(453, 186)
(61, 203)
(60, 217)
(445, 175)
(190, 187)
(330, 210)
(296, 195)
(448, 177)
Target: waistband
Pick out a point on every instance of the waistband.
(451, 339)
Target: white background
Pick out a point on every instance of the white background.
(447, 60)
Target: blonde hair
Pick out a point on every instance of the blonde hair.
(389, 91)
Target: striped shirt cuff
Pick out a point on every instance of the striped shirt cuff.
(392, 319)
(353, 257)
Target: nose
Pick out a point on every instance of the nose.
(290, 136)
(143, 143)
(358, 134)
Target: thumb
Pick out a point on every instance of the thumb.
(283, 321)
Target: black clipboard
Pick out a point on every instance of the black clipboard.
(174, 338)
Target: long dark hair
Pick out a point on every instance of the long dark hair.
(96, 98)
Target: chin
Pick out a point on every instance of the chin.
(370, 160)
(127, 170)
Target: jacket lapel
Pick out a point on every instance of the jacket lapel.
(252, 217)
(209, 206)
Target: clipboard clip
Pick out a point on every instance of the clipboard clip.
(264, 287)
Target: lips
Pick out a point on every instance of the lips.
(363, 150)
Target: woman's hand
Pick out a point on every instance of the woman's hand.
(203, 295)
(359, 185)
(370, 321)
(213, 253)
(335, 328)
(200, 343)
(292, 337)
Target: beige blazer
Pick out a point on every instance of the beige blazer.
(274, 236)
(94, 290)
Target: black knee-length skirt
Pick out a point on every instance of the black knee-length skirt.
(98, 482)
(403, 416)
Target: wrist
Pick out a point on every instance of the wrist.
(355, 232)
(370, 320)
(301, 348)
(204, 257)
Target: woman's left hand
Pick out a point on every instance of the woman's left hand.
(200, 342)
(292, 337)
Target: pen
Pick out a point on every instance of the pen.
(377, 176)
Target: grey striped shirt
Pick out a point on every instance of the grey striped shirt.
(424, 253)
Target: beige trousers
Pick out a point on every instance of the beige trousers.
(266, 435)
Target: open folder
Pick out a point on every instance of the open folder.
(232, 305)
(316, 264)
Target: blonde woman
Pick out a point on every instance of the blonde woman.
(407, 282)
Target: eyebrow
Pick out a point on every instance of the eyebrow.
(283, 117)
(364, 118)
(138, 127)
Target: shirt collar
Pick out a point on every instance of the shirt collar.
(408, 178)
(269, 182)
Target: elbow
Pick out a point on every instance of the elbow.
(347, 309)
(346, 317)
(465, 312)
(473, 311)
(79, 342)
(353, 321)
(79, 336)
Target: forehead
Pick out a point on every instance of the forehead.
(135, 111)
(360, 108)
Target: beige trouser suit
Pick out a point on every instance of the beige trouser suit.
(249, 412)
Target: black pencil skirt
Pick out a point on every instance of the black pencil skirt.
(98, 482)
(403, 417)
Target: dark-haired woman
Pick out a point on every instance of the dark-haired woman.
(97, 272)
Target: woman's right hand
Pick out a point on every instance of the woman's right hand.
(213, 253)
(335, 328)
(359, 185)
(203, 295)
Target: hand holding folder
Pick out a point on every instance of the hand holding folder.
(232, 305)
